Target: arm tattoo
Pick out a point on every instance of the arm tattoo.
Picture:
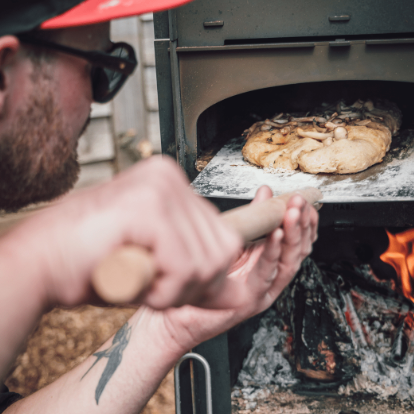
(114, 355)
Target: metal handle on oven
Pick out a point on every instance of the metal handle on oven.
(407, 40)
(207, 372)
(340, 43)
(340, 18)
(214, 23)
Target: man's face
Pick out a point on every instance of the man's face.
(72, 74)
(45, 116)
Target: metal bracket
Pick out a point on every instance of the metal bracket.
(207, 372)
(214, 23)
(340, 43)
(340, 18)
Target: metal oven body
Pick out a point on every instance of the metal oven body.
(214, 55)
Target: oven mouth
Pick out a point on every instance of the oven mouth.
(229, 118)
(219, 141)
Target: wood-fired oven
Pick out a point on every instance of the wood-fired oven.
(223, 64)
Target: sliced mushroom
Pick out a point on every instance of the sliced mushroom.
(331, 126)
(351, 115)
(315, 135)
(318, 128)
(341, 106)
(373, 116)
(309, 119)
(358, 104)
(251, 130)
(363, 122)
(266, 127)
(332, 117)
(369, 105)
(388, 119)
(328, 141)
(340, 133)
(277, 116)
(274, 124)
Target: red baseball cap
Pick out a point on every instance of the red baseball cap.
(98, 11)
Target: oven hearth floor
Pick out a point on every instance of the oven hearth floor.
(285, 402)
(228, 175)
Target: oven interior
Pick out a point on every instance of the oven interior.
(230, 117)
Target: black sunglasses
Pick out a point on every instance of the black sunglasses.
(109, 71)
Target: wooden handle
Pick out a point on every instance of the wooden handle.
(128, 270)
(256, 220)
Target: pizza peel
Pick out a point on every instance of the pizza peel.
(228, 175)
(128, 270)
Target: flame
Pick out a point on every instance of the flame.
(400, 255)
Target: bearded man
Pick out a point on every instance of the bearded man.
(56, 58)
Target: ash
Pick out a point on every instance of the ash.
(366, 328)
(265, 369)
(378, 377)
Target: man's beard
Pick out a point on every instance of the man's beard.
(38, 159)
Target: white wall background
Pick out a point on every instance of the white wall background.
(112, 141)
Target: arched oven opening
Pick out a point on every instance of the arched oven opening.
(229, 118)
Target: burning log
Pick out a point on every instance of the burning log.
(353, 321)
(338, 325)
(323, 344)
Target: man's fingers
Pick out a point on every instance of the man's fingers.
(314, 218)
(296, 201)
(262, 194)
(267, 264)
(291, 255)
(292, 227)
(308, 223)
(305, 219)
(306, 242)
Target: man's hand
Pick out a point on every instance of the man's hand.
(264, 269)
(150, 205)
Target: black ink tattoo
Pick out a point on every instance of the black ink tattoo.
(114, 355)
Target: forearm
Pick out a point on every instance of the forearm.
(22, 297)
(120, 377)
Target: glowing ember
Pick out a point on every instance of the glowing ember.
(400, 255)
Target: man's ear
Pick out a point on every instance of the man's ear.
(9, 46)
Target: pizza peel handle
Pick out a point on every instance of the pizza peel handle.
(128, 270)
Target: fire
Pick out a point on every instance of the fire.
(400, 255)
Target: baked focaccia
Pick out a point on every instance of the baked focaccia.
(340, 140)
